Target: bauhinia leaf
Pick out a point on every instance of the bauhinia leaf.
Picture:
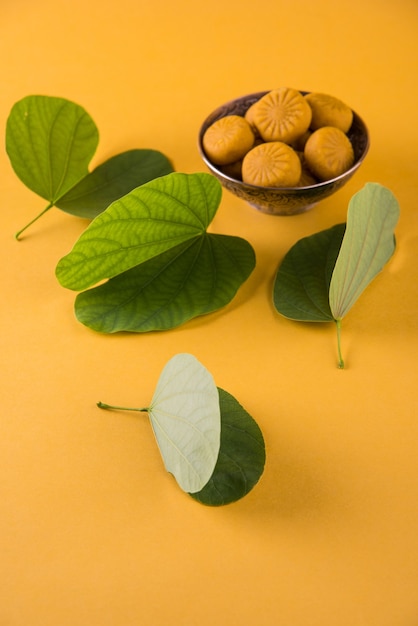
(186, 420)
(50, 142)
(113, 179)
(208, 441)
(322, 276)
(241, 457)
(194, 278)
(367, 246)
(146, 222)
(163, 267)
(301, 286)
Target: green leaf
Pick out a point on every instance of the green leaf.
(322, 276)
(368, 244)
(113, 179)
(194, 278)
(185, 417)
(148, 221)
(241, 457)
(50, 142)
(301, 286)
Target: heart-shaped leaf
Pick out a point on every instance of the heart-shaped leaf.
(241, 457)
(149, 220)
(113, 179)
(194, 278)
(50, 142)
(322, 276)
(301, 286)
(367, 246)
(164, 268)
(186, 420)
(207, 440)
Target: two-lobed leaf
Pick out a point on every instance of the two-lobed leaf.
(113, 179)
(367, 246)
(241, 457)
(148, 221)
(194, 278)
(186, 420)
(50, 142)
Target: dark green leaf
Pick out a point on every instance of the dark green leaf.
(113, 179)
(241, 457)
(50, 142)
(192, 279)
(301, 287)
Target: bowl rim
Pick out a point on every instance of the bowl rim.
(218, 113)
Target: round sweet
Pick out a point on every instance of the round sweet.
(228, 139)
(272, 164)
(249, 116)
(329, 111)
(328, 153)
(283, 114)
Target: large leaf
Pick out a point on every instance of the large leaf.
(186, 420)
(194, 278)
(50, 142)
(113, 179)
(301, 286)
(368, 244)
(148, 221)
(241, 459)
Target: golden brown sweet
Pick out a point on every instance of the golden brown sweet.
(272, 164)
(228, 139)
(249, 116)
(328, 153)
(329, 111)
(282, 114)
(306, 178)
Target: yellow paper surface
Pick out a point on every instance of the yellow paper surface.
(93, 531)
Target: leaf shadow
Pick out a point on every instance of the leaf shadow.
(299, 487)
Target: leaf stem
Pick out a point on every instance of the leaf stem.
(17, 235)
(340, 358)
(102, 405)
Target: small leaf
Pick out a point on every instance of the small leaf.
(301, 285)
(194, 278)
(50, 142)
(185, 417)
(113, 179)
(241, 457)
(148, 221)
(368, 244)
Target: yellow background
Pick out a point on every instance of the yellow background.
(93, 531)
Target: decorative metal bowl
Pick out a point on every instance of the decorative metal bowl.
(283, 200)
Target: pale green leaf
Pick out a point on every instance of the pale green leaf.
(194, 278)
(50, 142)
(186, 420)
(148, 221)
(368, 244)
(241, 459)
(113, 179)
